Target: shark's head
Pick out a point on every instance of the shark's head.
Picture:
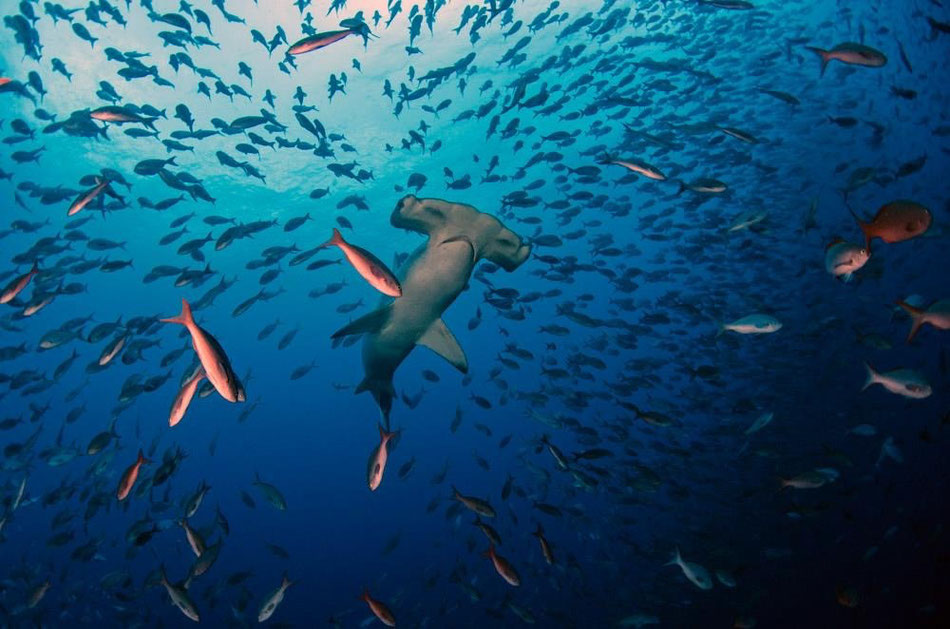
(446, 221)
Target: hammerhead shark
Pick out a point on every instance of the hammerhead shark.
(431, 278)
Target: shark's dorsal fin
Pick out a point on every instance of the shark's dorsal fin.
(440, 340)
(371, 322)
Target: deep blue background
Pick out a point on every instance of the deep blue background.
(714, 496)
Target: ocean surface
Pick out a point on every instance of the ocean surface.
(678, 270)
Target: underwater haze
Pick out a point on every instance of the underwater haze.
(448, 314)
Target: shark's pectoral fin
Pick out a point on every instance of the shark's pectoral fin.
(371, 322)
(440, 340)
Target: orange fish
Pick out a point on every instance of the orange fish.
(129, 476)
(366, 264)
(215, 362)
(379, 609)
(503, 567)
(184, 397)
(895, 222)
(850, 53)
(545, 547)
(377, 460)
(17, 285)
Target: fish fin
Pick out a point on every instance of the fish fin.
(463, 238)
(371, 322)
(917, 316)
(872, 376)
(846, 277)
(440, 340)
(823, 54)
(834, 241)
(335, 240)
(675, 559)
(185, 318)
(864, 226)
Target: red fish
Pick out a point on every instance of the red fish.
(852, 54)
(184, 397)
(503, 567)
(17, 285)
(366, 264)
(129, 476)
(379, 609)
(215, 362)
(377, 460)
(895, 222)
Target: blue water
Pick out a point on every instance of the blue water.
(655, 269)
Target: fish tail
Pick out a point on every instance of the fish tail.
(141, 458)
(824, 55)
(872, 376)
(539, 531)
(335, 240)
(917, 316)
(675, 559)
(185, 318)
(681, 188)
(861, 224)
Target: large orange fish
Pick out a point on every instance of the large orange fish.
(895, 222)
(215, 362)
(129, 477)
(366, 264)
